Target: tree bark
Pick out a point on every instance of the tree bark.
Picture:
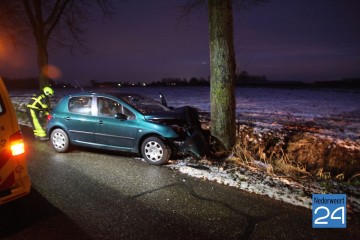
(38, 25)
(43, 61)
(222, 70)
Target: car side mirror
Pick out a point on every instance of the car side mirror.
(121, 116)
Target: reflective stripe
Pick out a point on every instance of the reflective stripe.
(33, 107)
(37, 101)
(38, 130)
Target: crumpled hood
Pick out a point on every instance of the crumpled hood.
(180, 115)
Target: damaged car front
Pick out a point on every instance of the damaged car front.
(184, 121)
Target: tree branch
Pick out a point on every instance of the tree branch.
(30, 15)
(53, 12)
(53, 22)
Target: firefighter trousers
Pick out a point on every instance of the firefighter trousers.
(33, 115)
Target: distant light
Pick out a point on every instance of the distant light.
(119, 84)
(3, 49)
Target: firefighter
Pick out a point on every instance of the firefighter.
(37, 104)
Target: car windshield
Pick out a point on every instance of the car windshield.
(144, 104)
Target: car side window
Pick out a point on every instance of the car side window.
(81, 105)
(130, 115)
(109, 107)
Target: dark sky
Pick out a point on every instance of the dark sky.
(306, 40)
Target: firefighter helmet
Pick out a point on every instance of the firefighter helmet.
(48, 91)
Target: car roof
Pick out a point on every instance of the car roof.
(112, 94)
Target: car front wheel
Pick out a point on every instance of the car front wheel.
(59, 140)
(154, 151)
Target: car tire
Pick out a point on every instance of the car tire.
(155, 151)
(60, 140)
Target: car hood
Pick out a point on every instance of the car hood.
(183, 115)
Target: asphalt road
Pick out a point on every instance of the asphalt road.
(87, 194)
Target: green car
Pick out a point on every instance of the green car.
(125, 122)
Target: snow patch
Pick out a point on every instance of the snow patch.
(254, 181)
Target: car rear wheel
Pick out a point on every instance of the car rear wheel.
(154, 151)
(60, 140)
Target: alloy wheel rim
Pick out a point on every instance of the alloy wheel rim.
(154, 151)
(59, 141)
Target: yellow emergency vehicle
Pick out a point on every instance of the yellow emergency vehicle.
(14, 178)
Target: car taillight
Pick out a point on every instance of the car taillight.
(48, 117)
(17, 144)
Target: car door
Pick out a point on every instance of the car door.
(112, 131)
(79, 120)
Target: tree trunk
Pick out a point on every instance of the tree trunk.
(222, 70)
(43, 61)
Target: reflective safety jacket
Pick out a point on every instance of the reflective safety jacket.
(38, 102)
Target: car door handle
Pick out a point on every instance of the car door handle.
(101, 122)
(67, 118)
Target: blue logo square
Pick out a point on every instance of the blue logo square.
(329, 210)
